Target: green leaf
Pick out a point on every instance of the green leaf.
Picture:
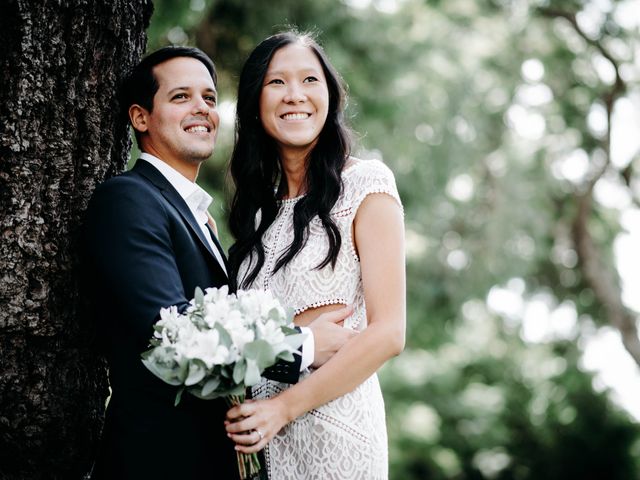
(261, 352)
(287, 356)
(239, 370)
(178, 396)
(199, 393)
(197, 371)
(167, 375)
(210, 385)
(294, 341)
(252, 375)
(274, 314)
(289, 331)
(225, 338)
(290, 313)
(198, 296)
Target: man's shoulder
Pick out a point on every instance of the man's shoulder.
(125, 191)
(126, 181)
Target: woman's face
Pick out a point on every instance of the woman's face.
(294, 100)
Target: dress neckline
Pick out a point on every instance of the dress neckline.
(286, 201)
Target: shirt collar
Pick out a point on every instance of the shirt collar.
(195, 197)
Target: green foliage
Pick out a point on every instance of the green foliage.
(476, 106)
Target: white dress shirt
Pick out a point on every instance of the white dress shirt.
(198, 201)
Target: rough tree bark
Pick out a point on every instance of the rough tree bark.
(60, 62)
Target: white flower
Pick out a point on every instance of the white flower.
(227, 316)
(204, 346)
(217, 295)
(259, 304)
(271, 332)
(240, 335)
(216, 312)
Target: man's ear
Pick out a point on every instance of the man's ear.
(138, 116)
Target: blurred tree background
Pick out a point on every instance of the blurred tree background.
(512, 127)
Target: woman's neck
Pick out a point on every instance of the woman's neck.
(294, 168)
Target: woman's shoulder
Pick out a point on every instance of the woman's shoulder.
(356, 167)
(367, 174)
(363, 177)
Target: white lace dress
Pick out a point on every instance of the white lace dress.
(347, 437)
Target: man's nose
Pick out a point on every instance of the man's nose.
(201, 106)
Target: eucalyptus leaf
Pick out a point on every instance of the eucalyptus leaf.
(274, 314)
(178, 396)
(289, 312)
(294, 341)
(198, 296)
(210, 385)
(225, 338)
(289, 330)
(261, 352)
(252, 375)
(239, 370)
(286, 355)
(197, 371)
(164, 374)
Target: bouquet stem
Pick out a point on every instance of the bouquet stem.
(248, 464)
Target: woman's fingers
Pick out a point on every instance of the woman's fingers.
(248, 438)
(251, 425)
(243, 410)
(252, 448)
(241, 426)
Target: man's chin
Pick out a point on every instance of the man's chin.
(199, 156)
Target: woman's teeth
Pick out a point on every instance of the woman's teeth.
(295, 116)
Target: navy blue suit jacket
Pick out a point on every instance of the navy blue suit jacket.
(143, 250)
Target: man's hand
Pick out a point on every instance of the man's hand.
(329, 335)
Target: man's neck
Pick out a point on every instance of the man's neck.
(186, 169)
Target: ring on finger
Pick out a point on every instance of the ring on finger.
(260, 434)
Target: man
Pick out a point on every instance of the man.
(148, 244)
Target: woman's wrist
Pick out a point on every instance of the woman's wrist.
(286, 407)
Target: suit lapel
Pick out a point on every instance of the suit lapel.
(173, 197)
(220, 249)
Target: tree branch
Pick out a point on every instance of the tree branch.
(602, 279)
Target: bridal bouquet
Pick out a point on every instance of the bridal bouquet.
(221, 345)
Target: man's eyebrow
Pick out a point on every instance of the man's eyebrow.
(177, 88)
(213, 90)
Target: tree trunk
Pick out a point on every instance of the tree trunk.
(60, 136)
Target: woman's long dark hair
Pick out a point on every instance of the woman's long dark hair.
(257, 172)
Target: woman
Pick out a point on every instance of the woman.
(326, 230)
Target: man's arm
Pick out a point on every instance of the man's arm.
(324, 338)
(128, 245)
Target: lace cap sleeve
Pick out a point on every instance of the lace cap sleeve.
(367, 177)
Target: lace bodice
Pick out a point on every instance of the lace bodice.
(345, 438)
(299, 284)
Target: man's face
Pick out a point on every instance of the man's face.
(182, 127)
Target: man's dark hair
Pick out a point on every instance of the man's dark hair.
(140, 85)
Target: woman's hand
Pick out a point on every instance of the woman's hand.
(252, 424)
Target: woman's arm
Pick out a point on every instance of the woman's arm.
(379, 239)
